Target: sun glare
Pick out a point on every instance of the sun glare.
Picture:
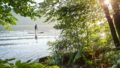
(108, 3)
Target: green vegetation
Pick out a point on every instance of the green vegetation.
(19, 64)
(89, 37)
(86, 38)
(23, 7)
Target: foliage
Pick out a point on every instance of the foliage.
(19, 64)
(84, 35)
(23, 7)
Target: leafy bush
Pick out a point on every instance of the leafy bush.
(81, 35)
(19, 64)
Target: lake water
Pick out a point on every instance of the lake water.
(22, 45)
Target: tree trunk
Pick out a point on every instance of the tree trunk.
(116, 16)
(110, 22)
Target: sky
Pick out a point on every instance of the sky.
(38, 1)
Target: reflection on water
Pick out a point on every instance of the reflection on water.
(23, 46)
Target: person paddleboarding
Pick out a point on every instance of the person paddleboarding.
(36, 28)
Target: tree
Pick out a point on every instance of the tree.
(80, 33)
(111, 24)
(25, 8)
(116, 15)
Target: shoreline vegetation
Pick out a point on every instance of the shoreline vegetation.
(18, 64)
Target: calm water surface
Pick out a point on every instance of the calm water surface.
(23, 46)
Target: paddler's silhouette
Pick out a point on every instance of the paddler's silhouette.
(36, 28)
